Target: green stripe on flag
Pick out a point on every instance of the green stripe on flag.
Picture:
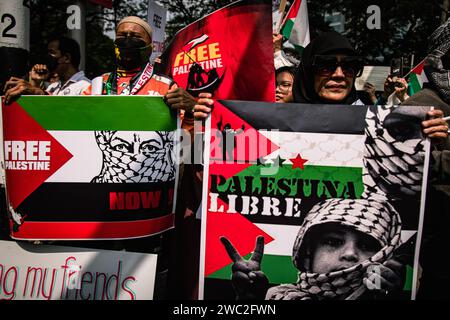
(414, 84)
(278, 269)
(123, 113)
(286, 32)
(343, 175)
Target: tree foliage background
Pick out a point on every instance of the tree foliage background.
(405, 25)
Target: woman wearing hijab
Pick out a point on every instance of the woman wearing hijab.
(327, 72)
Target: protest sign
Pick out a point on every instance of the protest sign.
(228, 53)
(89, 167)
(282, 170)
(44, 272)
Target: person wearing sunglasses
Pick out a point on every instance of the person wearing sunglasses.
(328, 71)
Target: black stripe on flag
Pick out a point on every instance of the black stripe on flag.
(296, 117)
(97, 202)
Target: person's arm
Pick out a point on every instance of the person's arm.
(15, 87)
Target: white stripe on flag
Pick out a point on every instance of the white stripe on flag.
(86, 162)
(285, 235)
(343, 150)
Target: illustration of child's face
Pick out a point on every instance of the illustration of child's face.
(340, 248)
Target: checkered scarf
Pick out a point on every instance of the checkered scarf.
(434, 69)
(120, 167)
(377, 219)
(394, 151)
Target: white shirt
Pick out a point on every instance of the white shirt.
(73, 87)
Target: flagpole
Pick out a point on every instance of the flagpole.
(413, 68)
(281, 10)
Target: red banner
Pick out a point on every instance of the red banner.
(228, 53)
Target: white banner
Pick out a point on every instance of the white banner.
(43, 272)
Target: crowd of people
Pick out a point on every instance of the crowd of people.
(324, 74)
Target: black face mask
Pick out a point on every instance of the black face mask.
(51, 62)
(131, 52)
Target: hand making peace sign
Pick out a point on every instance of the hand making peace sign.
(249, 282)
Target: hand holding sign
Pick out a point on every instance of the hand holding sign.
(249, 282)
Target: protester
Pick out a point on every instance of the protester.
(326, 75)
(328, 71)
(134, 74)
(284, 78)
(435, 279)
(63, 56)
(334, 251)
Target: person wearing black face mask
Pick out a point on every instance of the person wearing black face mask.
(63, 58)
(134, 75)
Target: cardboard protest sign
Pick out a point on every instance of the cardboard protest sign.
(30, 272)
(228, 53)
(89, 167)
(288, 171)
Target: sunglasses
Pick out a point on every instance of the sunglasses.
(327, 65)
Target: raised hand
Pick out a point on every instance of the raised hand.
(249, 282)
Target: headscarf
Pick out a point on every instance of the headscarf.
(377, 219)
(327, 43)
(438, 76)
(126, 167)
(394, 151)
(138, 21)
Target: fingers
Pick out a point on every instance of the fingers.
(385, 277)
(12, 82)
(178, 98)
(204, 105)
(396, 266)
(436, 127)
(259, 250)
(231, 250)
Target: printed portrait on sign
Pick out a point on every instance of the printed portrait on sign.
(135, 157)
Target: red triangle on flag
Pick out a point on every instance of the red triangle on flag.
(32, 155)
(247, 145)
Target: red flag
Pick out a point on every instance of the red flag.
(228, 53)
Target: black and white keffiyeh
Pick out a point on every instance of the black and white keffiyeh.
(436, 72)
(394, 151)
(372, 217)
(142, 165)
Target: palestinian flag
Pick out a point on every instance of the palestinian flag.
(81, 168)
(296, 27)
(269, 165)
(417, 78)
